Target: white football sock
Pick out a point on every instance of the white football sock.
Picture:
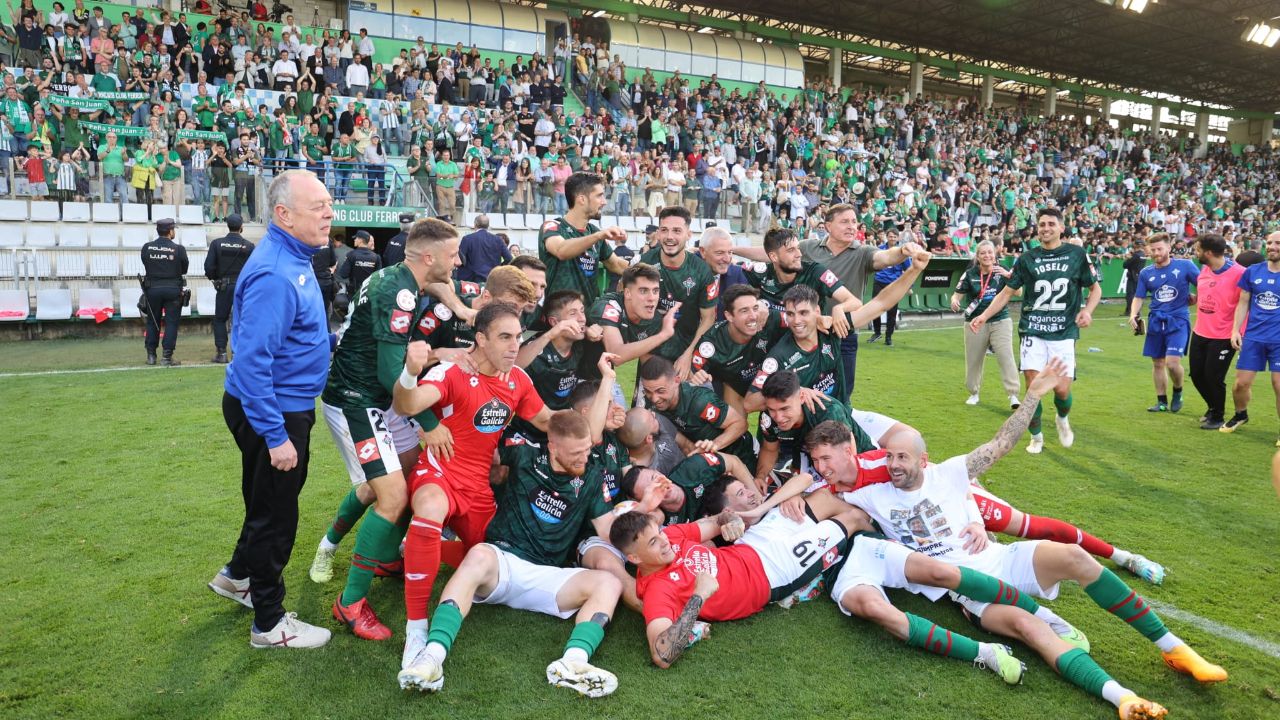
(1113, 692)
(575, 654)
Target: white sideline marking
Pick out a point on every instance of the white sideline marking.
(43, 373)
(1215, 628)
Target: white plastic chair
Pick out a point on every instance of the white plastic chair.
(53, 304)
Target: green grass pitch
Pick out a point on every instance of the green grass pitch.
(121, 500)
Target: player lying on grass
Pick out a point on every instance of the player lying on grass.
(998, 515)
(931, 508)
(678, 575)
(549, 495)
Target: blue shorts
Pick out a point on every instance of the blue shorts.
(1166, 337)
(1256, 355)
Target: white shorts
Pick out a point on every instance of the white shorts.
(786, 562)
(595, 541)
(1036, 352)
(874, 424)
(1017, 568)
(525, 586)
(878, 563)
(388, 431)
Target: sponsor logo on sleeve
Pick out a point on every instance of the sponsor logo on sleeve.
(470, 288)
(712, 459)
(713, 290)
(706, 349)
(443, 312)
(400, 321)
(550, 226)
(828, 278)
(710, 413)
(612, 312)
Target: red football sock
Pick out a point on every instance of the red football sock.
(421, 563)
(1043, 528)
(452, 552)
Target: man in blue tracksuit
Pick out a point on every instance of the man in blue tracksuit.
(883, 279)
(282, 346)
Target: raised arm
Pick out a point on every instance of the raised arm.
(889, 297)
(598, 415)
(986, 455)
(997, 304)
(569, 249)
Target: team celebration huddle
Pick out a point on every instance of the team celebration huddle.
(483, 426)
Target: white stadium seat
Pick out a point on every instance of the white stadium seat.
(71, 265)
(515, 221)
(7, 260)
(104, 236)
(129, 301)
(13, 210)
(190, 215)
(497, 221)
(135, 236)
(160, 212)
(135, 213)
(53, 304)
(15, 305)
(94, 299)
(43, 264)
(131, 265)
(206, 300)
(73, 236)
(104, 264)
(469, 219)
(106, 213)
(192, 237)
(44, 211)
(39, 236)
(532, 221)
(76, 212)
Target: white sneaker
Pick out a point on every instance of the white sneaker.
(1065, 436)
(1036, 445)
(231, 588)
(1014, 402)
(423, 673)
(414, 643)
(585, 678)
(322, 565)
(973, 399)
(290, 632)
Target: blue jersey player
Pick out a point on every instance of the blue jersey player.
(1259, 339)
(1169, 283)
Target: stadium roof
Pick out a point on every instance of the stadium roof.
(1188, 48)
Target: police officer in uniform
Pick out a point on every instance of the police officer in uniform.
(163, 287)
(359, 264)
(222, 265)
(394, 251)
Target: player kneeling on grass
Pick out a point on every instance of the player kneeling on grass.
(549, 495)
(931, 508)
(678, 577)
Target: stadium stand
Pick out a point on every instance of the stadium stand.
(728, 127)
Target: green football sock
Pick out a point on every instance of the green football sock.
(1063, 405)
(1111, 594)
(586, 636)
(1077, 667)
(445, 624)
(349, 513)
(377, 542)
(1034, 426)
(938, 640)
(984, 588)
